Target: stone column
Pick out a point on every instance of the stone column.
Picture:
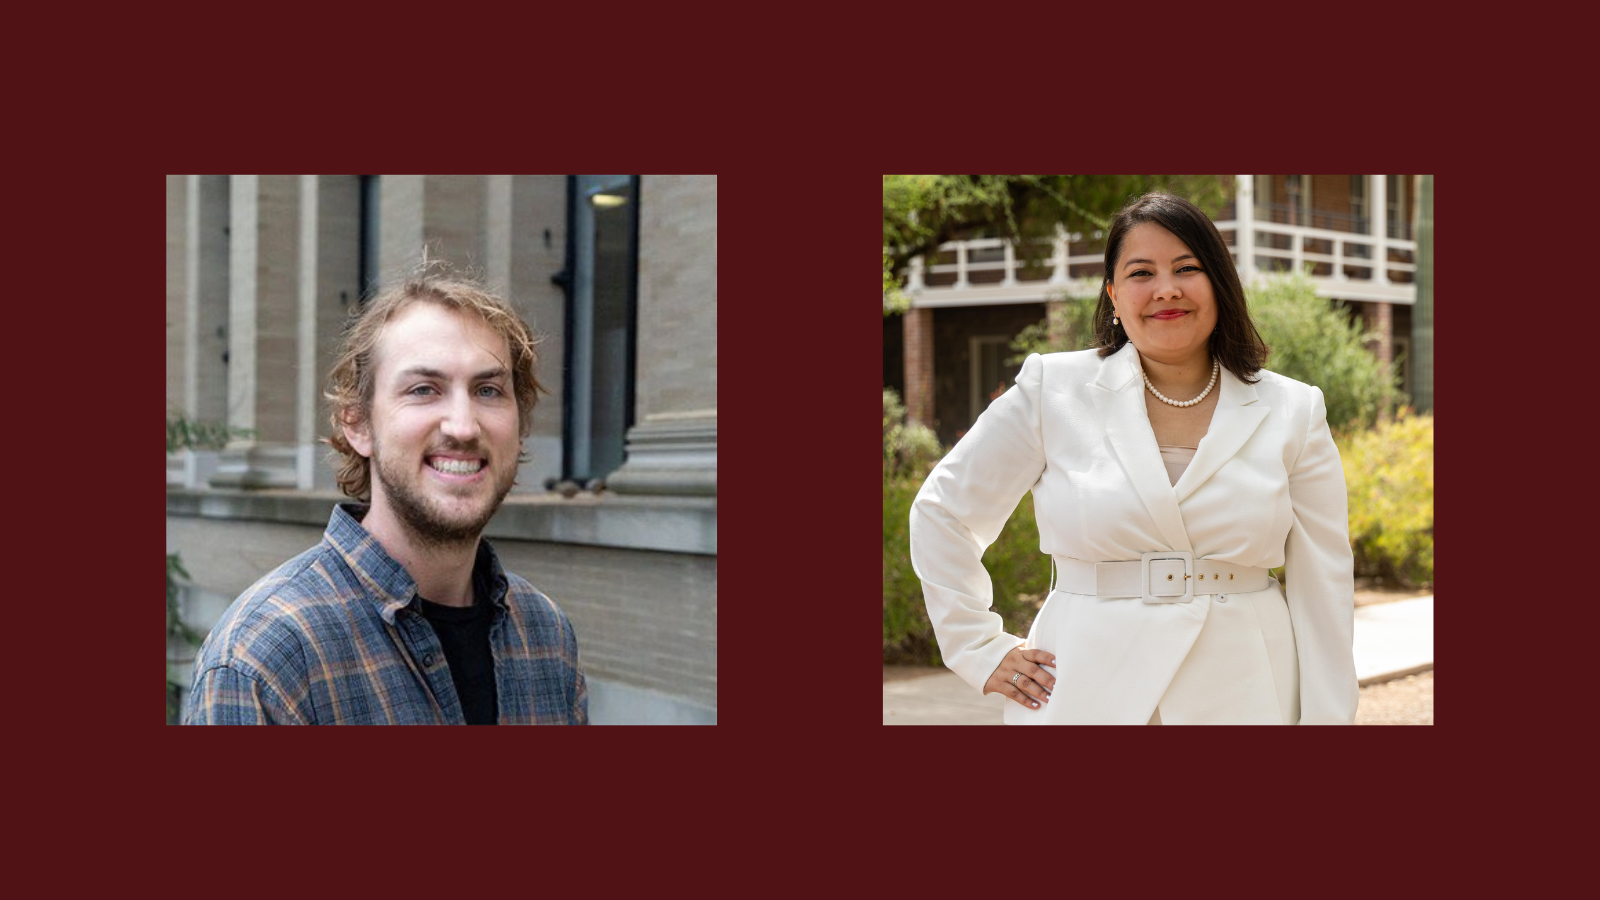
(454, 223)
(206, 298)
(177, 312)
(177, 290)
(525, 242)
(672, 446)
(400, 211)
(445, 212)
(263, 331)
(918, 340)
(200, 276)
(329, 289)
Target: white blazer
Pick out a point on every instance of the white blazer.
(1265, 489)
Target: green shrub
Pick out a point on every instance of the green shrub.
(184, 433)
(1073, 320)
(1388, 472)
(909, 451)
(1314, 341)
(1021, 576)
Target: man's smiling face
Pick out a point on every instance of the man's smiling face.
(442, 434)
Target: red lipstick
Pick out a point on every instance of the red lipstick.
(1170, 314)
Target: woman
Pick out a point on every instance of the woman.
(1169, 473)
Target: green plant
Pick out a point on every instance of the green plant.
(909, 450)
(1069, 325)
(176, 627)
(1388, 473)
(907, 635)
(1020, 574)
(1314, 341)
(182, 434)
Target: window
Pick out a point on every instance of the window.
(369, 235)
(1283, 199)
(989, 373)
(1296, 187)
(1399, 211)
(1358, 205)
(603, 254)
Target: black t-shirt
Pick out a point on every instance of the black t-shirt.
(464, 634)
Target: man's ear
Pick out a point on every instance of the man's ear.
(357, 433)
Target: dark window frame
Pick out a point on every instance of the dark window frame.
(566, 279)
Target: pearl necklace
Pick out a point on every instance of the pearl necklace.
(1215, 368)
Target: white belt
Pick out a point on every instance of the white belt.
(1161, 576)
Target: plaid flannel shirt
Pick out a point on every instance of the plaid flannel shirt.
(336, 636)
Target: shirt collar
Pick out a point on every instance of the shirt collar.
(391, 587)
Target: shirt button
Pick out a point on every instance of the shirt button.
(1222, 598)
(428, 660)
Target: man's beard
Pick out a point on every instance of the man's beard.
(421, 516)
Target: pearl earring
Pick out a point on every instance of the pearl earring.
(1113, 317)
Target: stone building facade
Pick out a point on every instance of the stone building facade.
(617, 274)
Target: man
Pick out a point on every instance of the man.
(402, 614)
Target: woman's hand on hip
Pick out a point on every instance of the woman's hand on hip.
(1019, 677)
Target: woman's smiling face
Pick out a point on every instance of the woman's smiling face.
(1162, 295)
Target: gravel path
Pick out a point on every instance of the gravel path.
(1404, 701)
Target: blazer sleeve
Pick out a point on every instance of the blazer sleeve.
(1319, 570)
(959, 512)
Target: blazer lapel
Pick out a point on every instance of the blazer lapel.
(1235, 419)
(1118, 396)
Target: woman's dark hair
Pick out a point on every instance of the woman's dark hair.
(1234, 342)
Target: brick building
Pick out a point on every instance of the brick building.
(617, 273)
(946, 355)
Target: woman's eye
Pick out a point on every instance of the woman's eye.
(1143, 272)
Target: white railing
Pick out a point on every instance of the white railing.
(1060, 262)
(1300, 235)
(1376, 286)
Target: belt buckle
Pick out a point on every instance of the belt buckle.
(1167, 576)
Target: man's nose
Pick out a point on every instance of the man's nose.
(460, 420)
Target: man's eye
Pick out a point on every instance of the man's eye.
(496, 392)
(420, 389)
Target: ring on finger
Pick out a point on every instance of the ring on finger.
(1015, 677)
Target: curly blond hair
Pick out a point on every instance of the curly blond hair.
(351, 384)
